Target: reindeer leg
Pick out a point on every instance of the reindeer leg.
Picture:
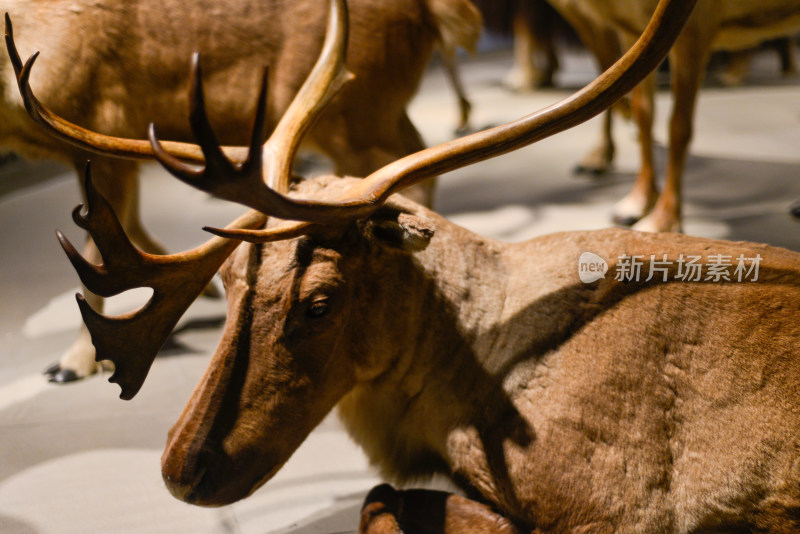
(599, 160)
(523, 74)
(641, 198)
(688, 60)
(117, 181)
(133, 223)
(737, 68)
(604, 44)
(464, 106)
(388, 511)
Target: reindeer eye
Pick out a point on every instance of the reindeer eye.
(317, 309)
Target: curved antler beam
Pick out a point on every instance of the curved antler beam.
(366, 196)
(86, 139)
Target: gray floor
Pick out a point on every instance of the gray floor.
(75, 459)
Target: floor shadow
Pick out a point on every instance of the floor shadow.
(20, 174)
(12, 525)
(175, 347)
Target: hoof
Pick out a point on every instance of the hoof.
(794, 209)
(52, 370)
(624, 220)
(590, 170)
(62, 376)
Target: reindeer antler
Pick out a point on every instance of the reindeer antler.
(245, 183)
(87, 139)
(366, 196)
(131, 341)
(241, 183)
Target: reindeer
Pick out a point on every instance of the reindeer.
(715, 25)
(535, 26)
(612, 405)
(118, 74)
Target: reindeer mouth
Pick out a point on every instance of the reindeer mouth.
(208, 490)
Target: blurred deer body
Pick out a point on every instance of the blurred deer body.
(113, 67)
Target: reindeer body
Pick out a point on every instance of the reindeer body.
(117, 67)
(494, 365)
(529, 395)
(113, 67)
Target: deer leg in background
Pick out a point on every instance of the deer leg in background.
(133, 223)
(784, 48)
(535, 58)
(642, 197)
(117, 181)
(388, 511)
(688, 60)
(464, 106)
(599, 160)
(522, 76)
(737, 68)
(604, 44)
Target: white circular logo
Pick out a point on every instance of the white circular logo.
(591, 267)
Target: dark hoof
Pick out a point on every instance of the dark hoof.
(52, 370)
(794, 209)
(62, 376)
(589, 170)
(624, 221)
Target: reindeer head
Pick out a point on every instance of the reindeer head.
(303, 326)
(294, 344)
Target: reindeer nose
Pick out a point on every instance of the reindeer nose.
(182, 478)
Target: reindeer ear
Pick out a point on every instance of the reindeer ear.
(399, 230)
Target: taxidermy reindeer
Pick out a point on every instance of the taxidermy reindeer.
(714, 25)
(535, 26)
(123, 63)
(613, 405)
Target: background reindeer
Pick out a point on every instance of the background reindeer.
(605, 27)
(121, 65)
(715, 25)
(557, 406)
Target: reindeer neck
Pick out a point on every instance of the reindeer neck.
(485, 309)
(454, 291)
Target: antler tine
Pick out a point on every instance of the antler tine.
(132, 341)
(220, 177)
(326, 79)
(245, 183)
(367, 195)
(81, 137)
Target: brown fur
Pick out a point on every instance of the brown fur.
(564, 406)
(113, 67)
